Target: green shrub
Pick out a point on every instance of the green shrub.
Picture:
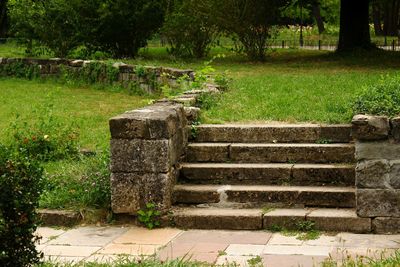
(47, 138)
(20, 70)
(380, 99)
(94, 72)
(21, 183)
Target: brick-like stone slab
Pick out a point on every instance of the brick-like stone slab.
(386, 225)
(281, 133)
(286, 218)
(158, 121)
(287, 153)
(59, 217)
(377, 150)
(236, 173)
(378, 202)
(290, 195)
(373, 174)
(209, 218)
(207, 152)
(141, 155)
(339, 220)
(395, 128)
(321, 174)
(369, 128)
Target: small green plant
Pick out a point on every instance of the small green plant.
(194, 130)
(255, 262)
(380, 99)
(20, 70)
(267, 209)
(140, 71)
(324, 141)
(274, 228)
(149, 217)
(221, 253)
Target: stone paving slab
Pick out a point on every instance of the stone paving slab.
(109, 244)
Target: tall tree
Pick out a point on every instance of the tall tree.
(3, 19)
(354, 25)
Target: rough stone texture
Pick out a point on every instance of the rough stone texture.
(394, 174)
(131, 191)
(286, 218)
(207, 218)
(236, 174)
(299, 153)
(158, 121)
(377, 150)
(368, 128)
(145, 147)
(59, 217)
(373, 174)
(395, 128)
(192, 114)
(386, 225)
(207, 152)
(318, 174)
(281, 133)
(140, 155)
(339, 220)
(378, 202)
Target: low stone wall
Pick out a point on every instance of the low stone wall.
(378, 171)
(146, 78)
(146, 147)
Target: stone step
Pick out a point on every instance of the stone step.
(338, 220)
(273, 133)
(268, 174)
(256, 195)
(270, 153)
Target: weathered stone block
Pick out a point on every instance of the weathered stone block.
(372, 174)
(192, 114)
(386, 225)
(395, 128)
(141, 155)
(159, 121)
(368, 128)
(377, 150)
(76, 63)
(378, 202)
(131, 192)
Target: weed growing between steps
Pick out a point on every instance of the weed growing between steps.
(302, 230)
(150, 216)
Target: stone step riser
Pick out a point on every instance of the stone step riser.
(334, 198)
(264, 153)
(290, 219)
(269, 174)
(273, 134)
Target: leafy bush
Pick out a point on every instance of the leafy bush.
(47, 138)
(20, 70)
(21, 183)
(188, 32)
(380, 99)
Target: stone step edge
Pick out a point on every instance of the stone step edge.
(317, 145)
(324, 219)
(273, 125)
(262, 188)
(264, 165)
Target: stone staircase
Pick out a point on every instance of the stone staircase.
(268, 176)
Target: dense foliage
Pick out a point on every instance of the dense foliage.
(21, 183)
(380, 99)
(120, 27)
(188, 32)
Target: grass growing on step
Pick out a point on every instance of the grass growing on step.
(302, 230)
(78, 182)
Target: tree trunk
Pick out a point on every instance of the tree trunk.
(316, 10)
(354, 25)
(376, 15)
(391, 18)
(3, 19)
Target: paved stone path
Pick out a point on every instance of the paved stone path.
(104, 244)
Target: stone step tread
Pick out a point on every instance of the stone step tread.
(284, 145)
(265, 165)
(271, 133)
(325, 219)
(261, 188)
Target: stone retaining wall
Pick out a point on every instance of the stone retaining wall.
(378, 171)
(148, 79)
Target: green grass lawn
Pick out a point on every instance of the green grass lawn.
(71, 183)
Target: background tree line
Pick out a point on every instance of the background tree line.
(122, 27)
